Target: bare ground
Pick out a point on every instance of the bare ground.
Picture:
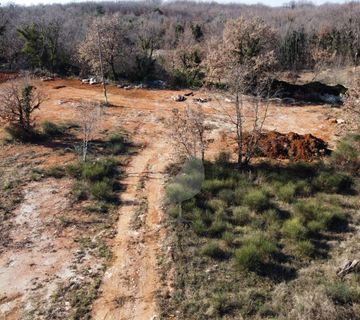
(130, 285)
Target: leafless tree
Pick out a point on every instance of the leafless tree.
(19, 100)
(89, 117)
(188, 132)
(243, 60)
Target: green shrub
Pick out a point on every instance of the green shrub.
(227, 195)
(199, 227)
(116, 144)
(215, 185)
(98, 170)
(228, 237)
(216, 204)
(333, 183)
(56, 172)
(294, 229)
(241, 215)
(102, 190)
(213, 250)
(341, 293)
(51, 129)
(305, 248)
(257, 200)
(248, 257)
(256, 250)
(347, 154)
(217, 228)
(286, 192)
(303, 188)
(79, 191)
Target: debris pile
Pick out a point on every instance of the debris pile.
(276, 145)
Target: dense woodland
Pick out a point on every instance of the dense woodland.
(173, 41)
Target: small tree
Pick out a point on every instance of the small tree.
(19, 100)
(188, 132)
(89, 116)
(244, 59)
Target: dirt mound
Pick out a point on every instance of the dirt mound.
(315, 92)
(291, 145)
(5, 76)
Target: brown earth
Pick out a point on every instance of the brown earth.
(132, 280)
(294, 146)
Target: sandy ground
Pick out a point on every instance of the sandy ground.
(130, 284)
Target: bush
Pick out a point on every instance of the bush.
(116, 144)
(102, 190)
(257, 250)
(217, 228)
(286, 192)
(341, 293)
(347, 154)
(248, 257)
(333, 183)
(213, 250)
(51, 129)
(17, 133)
(216, 204)
(257, 200)
(56, 172)
(294, 229)
(241, 215)
(305, 248)
(98, 170)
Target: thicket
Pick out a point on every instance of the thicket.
(171, 41)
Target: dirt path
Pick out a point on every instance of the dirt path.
(129, 286)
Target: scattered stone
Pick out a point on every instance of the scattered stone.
(347, 267)
(179, 98)
(46, 79)
(201, 100)
(340, 121)
(188, 94)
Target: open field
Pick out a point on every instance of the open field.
(60, 260)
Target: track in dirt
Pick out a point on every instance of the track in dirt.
(128, 289)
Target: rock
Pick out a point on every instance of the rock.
(188, 94)
(179, 98)
(340, 121)
(46, 79)
(85, 80)
(201, 100)
(93, 81)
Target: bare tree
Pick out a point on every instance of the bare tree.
(243, 60)
(89, 117)
(19, 100)
(188, 132)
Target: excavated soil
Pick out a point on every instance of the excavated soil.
(276, 145)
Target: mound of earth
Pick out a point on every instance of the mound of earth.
(276, 145)
(315, 92)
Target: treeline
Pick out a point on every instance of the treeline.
(172, 41)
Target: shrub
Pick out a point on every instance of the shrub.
(199, 227)
(215, 185)
(116, 144)
(102, 190)
(333, 183)
(16, 133)
(228, 237)
(223, 304)
(256, 250)
(216, 204)
(98, 170)
(56, 172)
(51, 129)
(294, 229)
(286, 192)
(213, 250)
(241, 215)
(257, 200)
(341, 293)
(304, 188)
(305, 248)
(248, 257)
(217, 228)
(347, 154)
